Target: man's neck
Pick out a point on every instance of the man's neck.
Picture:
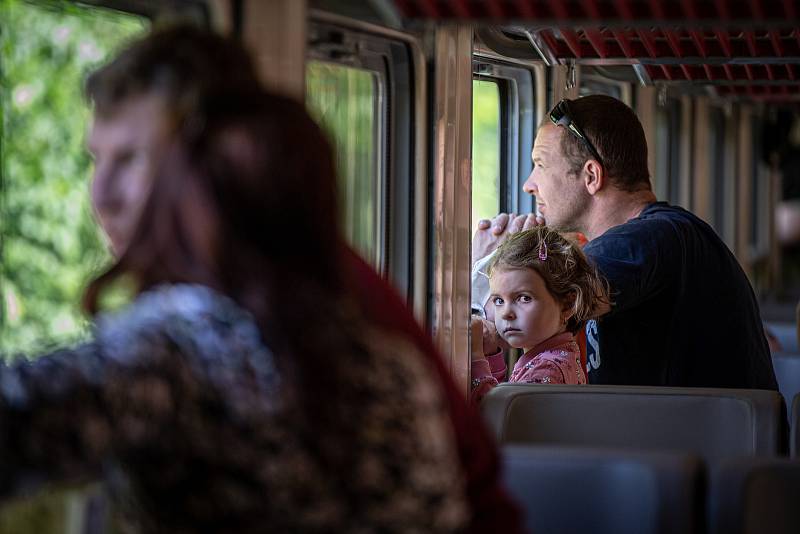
(618, 207)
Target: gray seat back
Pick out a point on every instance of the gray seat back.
(787, 371)
(712, 423)
(754, 496)
(582, 490)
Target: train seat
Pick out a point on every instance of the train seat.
(794, 436)
(754, 496)
(787, 371)
(712, 423)
(786, 334)
(564, 490)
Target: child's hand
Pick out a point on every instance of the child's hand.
(484, 338)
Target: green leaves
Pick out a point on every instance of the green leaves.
(50, 245)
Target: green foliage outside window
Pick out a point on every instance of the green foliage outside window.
(344, 102)
(485, 150)
(50, 245)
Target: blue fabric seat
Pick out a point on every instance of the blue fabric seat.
(794, 436)
(785, 333)
(566, 490)
(755, 496)
(787, 371)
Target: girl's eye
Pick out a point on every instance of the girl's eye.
(497, 301)
(525, 298)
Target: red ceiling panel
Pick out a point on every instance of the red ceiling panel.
(742, 47)
(624, 10)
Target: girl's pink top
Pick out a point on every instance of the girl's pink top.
(556, 360)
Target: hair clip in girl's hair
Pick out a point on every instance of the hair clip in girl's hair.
(542, 250)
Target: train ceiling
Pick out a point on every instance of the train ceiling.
(740, 48)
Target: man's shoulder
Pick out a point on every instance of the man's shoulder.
(656, 222)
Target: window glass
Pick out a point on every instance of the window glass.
(668, 151)
(50, 245)
(345, 102)
(720, 180)
(485, 150)
(594, 86)
(756, 189)
(675, 129)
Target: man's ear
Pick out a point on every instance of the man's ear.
(594, 176)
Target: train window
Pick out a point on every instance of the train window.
(594, 84)
(668, 151)
(503, 125)
(485, 149)
(721, 179)
(345, 102)
(50, 242)
(758, 196)
(591, 85)
(360, 84)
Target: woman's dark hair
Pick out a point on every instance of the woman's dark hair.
(245, 202)
(182, 64)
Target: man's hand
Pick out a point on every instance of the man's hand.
(491, 233)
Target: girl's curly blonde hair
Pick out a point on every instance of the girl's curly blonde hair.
(566, 272)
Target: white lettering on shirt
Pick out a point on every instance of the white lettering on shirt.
(592, 346)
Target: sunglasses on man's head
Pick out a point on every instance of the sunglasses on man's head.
(561, 117)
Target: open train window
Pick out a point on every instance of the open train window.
(360, 86)
(49, 242)
(502, 137)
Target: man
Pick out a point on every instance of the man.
(150, 94)
(683, 312)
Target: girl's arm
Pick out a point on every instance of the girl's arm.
(486, 371)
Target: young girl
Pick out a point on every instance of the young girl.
(542, 289)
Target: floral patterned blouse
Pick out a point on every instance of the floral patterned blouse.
(179, 406)
(556, 360)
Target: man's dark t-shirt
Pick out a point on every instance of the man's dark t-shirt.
(683, 311)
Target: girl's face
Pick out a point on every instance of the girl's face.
(525, 312)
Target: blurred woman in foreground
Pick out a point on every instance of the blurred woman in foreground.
(242, 388)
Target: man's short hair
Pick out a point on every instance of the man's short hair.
(184, 65)
(615, 131)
